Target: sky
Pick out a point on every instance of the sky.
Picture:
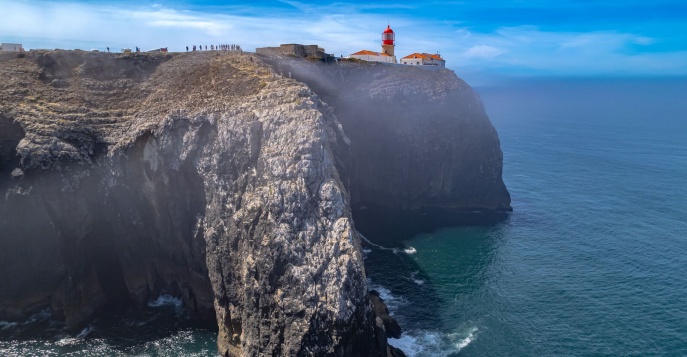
(479, 39)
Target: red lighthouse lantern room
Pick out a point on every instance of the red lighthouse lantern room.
(388, 41)
(388, 36)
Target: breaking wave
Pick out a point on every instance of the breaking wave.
(415, 279)
(85, 332)
(78, 339)
(39, 316)
(6, 325)
(471, 335)
(167, 300)
(420, 343)
(424, 342)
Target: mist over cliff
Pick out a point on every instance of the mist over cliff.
(423, 153)
(219, 179)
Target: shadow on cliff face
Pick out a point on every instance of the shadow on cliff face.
(10, 135)
(107, 237)
(423, 152)
(80, 231)
(390, 227)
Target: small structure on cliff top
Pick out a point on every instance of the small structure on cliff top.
(158, 50)
(298, 50)
(11, 47)
(424, 59)
(388, 45)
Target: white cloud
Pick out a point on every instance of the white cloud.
(644, 41)
(162, 17)
(528, 50)
(339, 28)
(607, 40)
(483, 51)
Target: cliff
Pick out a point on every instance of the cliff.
(423, 152)
(214, 178)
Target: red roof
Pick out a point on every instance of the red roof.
(388, 29)
(423, 56)
(369, 53)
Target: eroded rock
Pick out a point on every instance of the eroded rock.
(209, 177)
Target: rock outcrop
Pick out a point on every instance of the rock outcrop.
(212, 177)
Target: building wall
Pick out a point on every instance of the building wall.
(268, 50)
(423, 62)
(388, 49)
(412, 61)
(433, 62)
(293, 49)
(10, 47)
(370, 58)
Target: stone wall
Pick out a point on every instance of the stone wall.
(293, 49)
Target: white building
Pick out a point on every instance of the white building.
(11, 47)
(387, 55)
(372, 56)
(423, 59)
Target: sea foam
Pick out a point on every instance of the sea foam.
(464, 342)
(6, 325)
(166, 300)
(422, 342)
(39, 316)
(72, 341)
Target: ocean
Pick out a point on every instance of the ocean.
(591, 262)
(162, 328)
(593, 259)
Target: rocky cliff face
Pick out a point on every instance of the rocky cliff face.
(423, 152)
(216, 179)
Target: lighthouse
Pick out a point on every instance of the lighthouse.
(388, 41)
(387, 54)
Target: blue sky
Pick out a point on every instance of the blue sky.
(479, 39)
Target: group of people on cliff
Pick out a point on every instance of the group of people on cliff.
(231, 47)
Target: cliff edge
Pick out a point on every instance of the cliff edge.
(423, 152)
(217, 178)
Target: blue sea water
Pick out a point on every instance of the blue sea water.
(160, 329)
(592, 261)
